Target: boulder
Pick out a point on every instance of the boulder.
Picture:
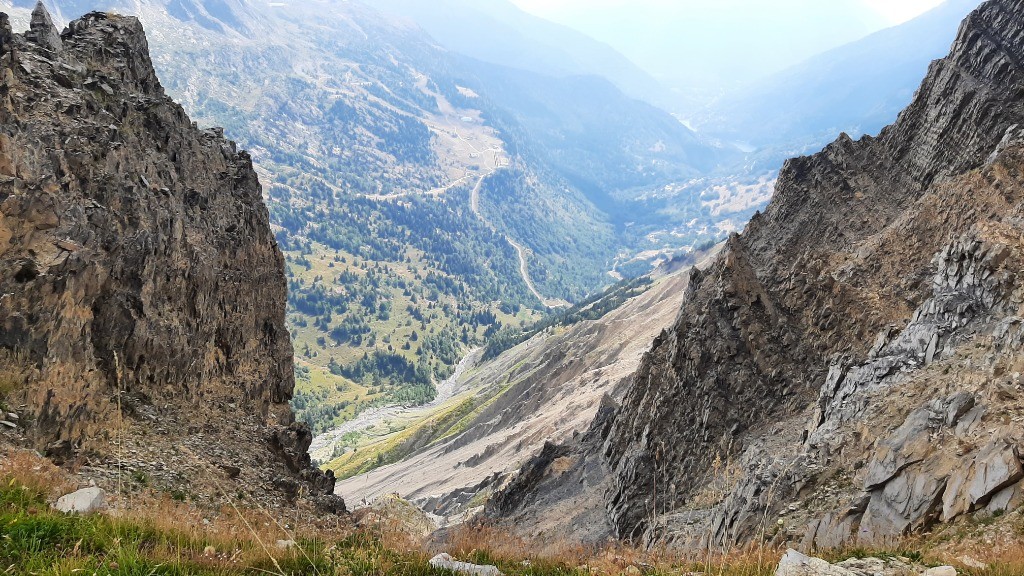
(911, 443)
(989, 479)
(958, 406)
(953, 501)
(1007, 499)
(877, 566)
(909, 502)
(84, 501)
(446, 562)
(796, 564)
(996, 467)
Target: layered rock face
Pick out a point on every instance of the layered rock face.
(138, 272)
(849, 365)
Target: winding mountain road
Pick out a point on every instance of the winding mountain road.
(524, 265)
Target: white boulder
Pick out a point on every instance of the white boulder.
(84, 501)
(446, 562)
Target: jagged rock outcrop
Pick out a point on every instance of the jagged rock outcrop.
(140, 282)
(42, 31)
(878, 270)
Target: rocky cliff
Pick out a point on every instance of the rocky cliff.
(142, 292)
(849, 369)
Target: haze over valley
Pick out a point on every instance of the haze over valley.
(677, 275)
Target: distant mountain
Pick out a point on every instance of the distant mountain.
(498, 32)
(857, 88)
(423, 199)
(699, 48)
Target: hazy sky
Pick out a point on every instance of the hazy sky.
(897, 11)
(718, 43)
(892, 11)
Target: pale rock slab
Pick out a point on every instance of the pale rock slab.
(84, 501)
(446, 562)
(796, 564)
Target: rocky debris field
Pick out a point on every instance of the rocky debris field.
(797, 564)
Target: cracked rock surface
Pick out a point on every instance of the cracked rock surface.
(848, 371)
(142, 293)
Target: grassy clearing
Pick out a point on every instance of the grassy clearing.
(36, 540)
(396, 446)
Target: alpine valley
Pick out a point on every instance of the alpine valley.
(424, 200)
(329, 287)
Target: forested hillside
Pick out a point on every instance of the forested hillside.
(424, 200)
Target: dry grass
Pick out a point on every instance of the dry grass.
(494, 545)
(38, 474)
(151, 534)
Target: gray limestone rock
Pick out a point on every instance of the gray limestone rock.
(42, 30)
(84, 501)
(1008, 498)
(796, 564)
(959, 405)
(940, 571)
(996, 467)
(989, 478)
(851, 338)
(909, 502)
(446, 562)
(908, 445)
(844, 249)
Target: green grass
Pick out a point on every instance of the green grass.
(34, 540)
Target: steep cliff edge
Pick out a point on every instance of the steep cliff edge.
(843, 253)
(142, 292)
(870, 283)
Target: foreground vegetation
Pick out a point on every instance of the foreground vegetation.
(151, 535)
(37, 540)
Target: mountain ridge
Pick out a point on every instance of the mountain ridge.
(856, 88)
(369, 138)
(486, 31)
(802, 393)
